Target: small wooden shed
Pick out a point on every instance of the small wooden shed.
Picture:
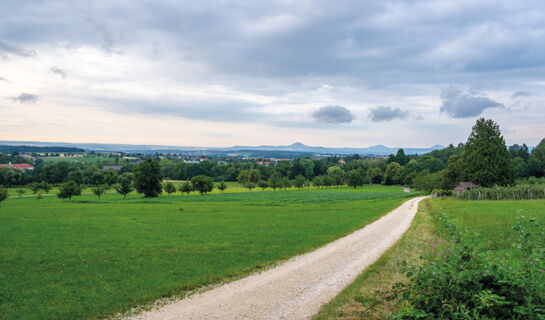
(463, 187)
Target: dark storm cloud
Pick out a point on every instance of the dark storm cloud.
(25, 98)
(457, 104)
(6, 49)
(521, 94)
(58, 71)
(333, 114)
(384, 113)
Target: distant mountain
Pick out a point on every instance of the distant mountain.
(379, 150)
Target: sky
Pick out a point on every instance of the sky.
(221, 73)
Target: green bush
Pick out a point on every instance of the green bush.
(455, 280)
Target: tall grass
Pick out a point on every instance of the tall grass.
(519, 192)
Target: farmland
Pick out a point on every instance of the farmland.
(88, 259)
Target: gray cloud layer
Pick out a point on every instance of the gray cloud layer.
(6, 49)
(384, 113)
(333, 114)
(465, 105)
(25, 98)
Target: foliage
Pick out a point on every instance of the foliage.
(21, 191)
(299, 181)
(45, 186)
(169, 188)
(186, 187)
(263, 184)
(99, 190)
(34, 186)
(124, 184)
(336, 173)
(536, 162)
(354, 178)
(222, 186)
(202, 183)
(147, 178)
(275, 180)
(249, 178)
(375, 174)
(486, 160)
(457, 280)
(3, 194)
(68, 190)
(393, 172)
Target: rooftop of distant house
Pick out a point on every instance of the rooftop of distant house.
(20, 166)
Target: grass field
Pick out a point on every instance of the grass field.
(488, 223)
(88, 259)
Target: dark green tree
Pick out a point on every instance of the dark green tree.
(275, 180)
(3, 194)
(318, 182)
(299, 181)
(286, 183)
(169, 188)
(222, 186)
(68, 190)
(486, 160)
(392, 174)
(336, 173)
(354, 178)
(202, 183)
(376, 175)
(124, 184)
(536, 162)
(147, 178)
(263, 185)
(401, 158)
(45, 186)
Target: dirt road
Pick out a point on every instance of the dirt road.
(297, 288)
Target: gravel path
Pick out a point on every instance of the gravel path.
(297, 288)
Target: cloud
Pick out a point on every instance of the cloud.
(521, 94)
(107, 37)
(4, 79)
(58, 71)
(25, 98)
(384, 113)
(6, 49)
(333, 114)
(457, 104)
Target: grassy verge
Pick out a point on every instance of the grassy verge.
(382, 274)
(90, 258)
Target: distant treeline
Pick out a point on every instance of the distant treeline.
(11, 149)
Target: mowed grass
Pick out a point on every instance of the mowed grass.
(86, 258)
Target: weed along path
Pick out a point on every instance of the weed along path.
(297, 288)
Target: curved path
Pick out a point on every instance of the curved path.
(297, 288)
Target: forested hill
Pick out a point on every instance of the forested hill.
(11, 149)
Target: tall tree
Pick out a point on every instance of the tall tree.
(147, 178)
(536, 162)
(275, 180)
(392, 174)
(401, 158)
(486, 160)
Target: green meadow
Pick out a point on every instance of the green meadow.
(90, 258)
